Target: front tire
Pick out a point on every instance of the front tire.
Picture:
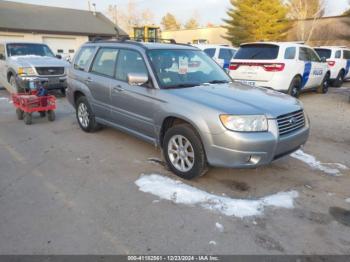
(85, 115)
(51, 116)
(20, 114)
(184, 152)
(295, 87)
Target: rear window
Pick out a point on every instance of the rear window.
(257, 52)
(322, 52)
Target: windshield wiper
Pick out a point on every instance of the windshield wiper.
(183, 86)
(218, 82)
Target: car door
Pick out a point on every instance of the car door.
(225, 57)
(346, 55)
(132, 106)
(99, 81)
(307, 78)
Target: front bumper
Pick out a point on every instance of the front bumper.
(250, 150)
(51, 82)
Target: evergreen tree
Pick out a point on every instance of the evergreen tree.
(256, 20)
(169, 22)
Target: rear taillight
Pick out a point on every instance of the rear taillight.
(331, 63)
(234, 66)
(276, 67)
(270, 67)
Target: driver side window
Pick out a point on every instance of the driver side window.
(129, 61)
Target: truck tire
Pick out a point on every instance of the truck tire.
(183, 152)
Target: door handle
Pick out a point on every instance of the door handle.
(118, 88)
(88, 80)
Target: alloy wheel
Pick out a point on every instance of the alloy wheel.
(181, 153)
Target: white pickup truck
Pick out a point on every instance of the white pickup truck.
(23, 65)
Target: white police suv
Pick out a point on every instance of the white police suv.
(282, 66)
(338, 59)
(222, 54)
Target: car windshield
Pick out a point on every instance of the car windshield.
(185, 68)
(326, 53)
(23, 49)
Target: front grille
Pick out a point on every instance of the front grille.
(50, 71)
(291, 122)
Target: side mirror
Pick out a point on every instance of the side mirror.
(323, 59)
(59, 56)
(137, 79)
(2, 57)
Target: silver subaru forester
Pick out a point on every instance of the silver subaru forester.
(179, 99)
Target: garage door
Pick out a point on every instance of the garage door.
(11, 38)
(65, 47)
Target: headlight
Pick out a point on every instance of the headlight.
(248, 123)
(26, 71)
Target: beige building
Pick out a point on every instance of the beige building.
(63, 29)
(213, 35)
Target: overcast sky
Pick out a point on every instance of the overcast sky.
(208, 10)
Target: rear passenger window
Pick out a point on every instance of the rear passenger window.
(129, 62)
(303, 54)
(210, 52)
(104, 62)
(83, 58)
(346, 54)
(290, 53)
(313, 55)
(226, 54)
(338, 54)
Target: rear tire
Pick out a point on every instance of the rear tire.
(51, 116)
(184, 152)
(28, 118)
(85, 115)
(295, 87)
(323, 88)
(338, 82)
(20, 114)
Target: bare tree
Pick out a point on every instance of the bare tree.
(300, 10)
(129, 16)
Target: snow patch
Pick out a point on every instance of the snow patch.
(212, 242)
(180, 193)
(4, 99)
(347, 200)
(328, 168)
(219, 227)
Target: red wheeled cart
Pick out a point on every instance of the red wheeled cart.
(28, 103)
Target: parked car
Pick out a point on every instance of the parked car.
(23, 64)
(178, 98)
(222, 54)
(285, 67)
(338, 59)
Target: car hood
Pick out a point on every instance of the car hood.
(240, 99)
(38, 61)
